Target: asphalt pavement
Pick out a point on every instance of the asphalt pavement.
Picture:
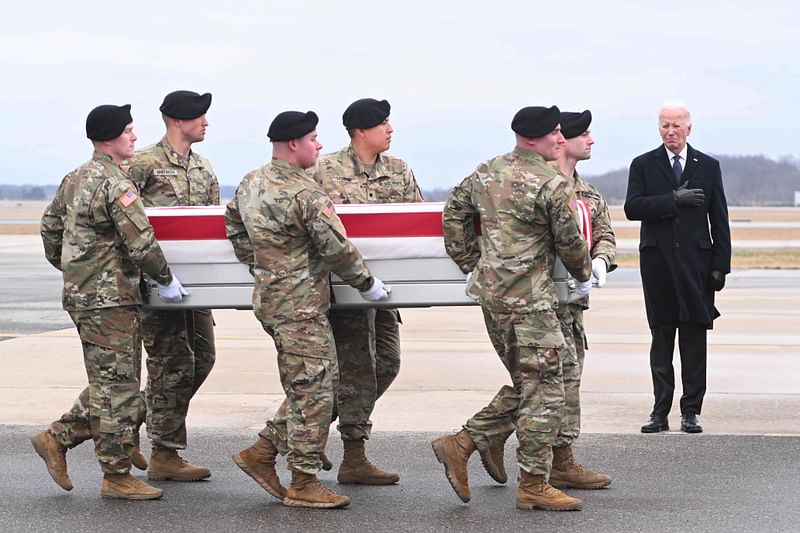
(740, 475)
(666, 482)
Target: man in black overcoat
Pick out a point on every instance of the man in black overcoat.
(684, 256)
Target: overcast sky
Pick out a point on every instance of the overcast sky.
(454, 72)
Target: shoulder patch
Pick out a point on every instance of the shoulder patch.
(128, 198)
(327, 211)
(572, 203)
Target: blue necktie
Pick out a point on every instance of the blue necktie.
(677, 170)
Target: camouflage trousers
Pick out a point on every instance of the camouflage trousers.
(180, 356)
(531, 348)
(309, 373)
(368, 352)
(113, 359)
(571, 320)
(167, 422)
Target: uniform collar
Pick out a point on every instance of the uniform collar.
(358, 165)
(103, 157)
(174, 157)
(288, 167)
(529, 156)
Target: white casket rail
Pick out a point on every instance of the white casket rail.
(402, 245)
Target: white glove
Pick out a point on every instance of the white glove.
(466, 286)
(174, 292)
(377, 292)
(598, 272)
(582, 288)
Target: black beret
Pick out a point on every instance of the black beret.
(185, 105)
(365, 113)
(107, 122)
(574, 124)
(533, 122)
(292, 125)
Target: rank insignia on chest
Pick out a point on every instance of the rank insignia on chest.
(165, 172)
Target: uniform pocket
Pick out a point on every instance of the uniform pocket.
(538, 337)
(113, 328)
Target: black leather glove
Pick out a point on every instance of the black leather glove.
(716, 280)
(689, 197)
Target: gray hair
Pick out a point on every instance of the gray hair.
(676, 105)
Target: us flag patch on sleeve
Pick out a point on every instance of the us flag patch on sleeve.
(128, 198)
(328, 210)
(572, 203)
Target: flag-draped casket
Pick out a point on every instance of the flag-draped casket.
(401, 243)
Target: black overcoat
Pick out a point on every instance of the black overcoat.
(679, 246)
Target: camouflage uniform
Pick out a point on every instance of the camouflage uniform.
(285, 228)
(367, 341)
(571, 316)
(527, 217)
(95, 231)
(180, 344)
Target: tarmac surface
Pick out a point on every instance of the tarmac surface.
(740, 475)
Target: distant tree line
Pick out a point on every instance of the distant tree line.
(27, 192)
(748, 180)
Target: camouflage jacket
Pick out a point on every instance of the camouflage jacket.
(604, 242)
(166, 178)
(95, 231)
(346, 181)
(527, 216)
(283, 225)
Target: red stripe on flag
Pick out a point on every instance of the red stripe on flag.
(188, 227)
(393, 224)
(212, 227)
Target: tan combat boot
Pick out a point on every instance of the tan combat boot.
(127, 487)
(258, 462)
(568, 474)
(357, 470)
(166, 464)
(453, 452)
(137, 457)
(307, 491)
(493, 461)
(536, 493)
(55, 458)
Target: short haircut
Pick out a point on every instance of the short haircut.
(676, 105)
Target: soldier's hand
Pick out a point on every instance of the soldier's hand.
(716, 280)
(582, 288)
(174, 292)
(689, 197)
(598, 272)
(377, 292)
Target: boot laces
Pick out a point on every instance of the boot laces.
(325, 490)
(577, 466)
(136, 483)
(58, 458)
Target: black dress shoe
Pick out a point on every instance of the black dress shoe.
(690, 424)
(655, 424)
